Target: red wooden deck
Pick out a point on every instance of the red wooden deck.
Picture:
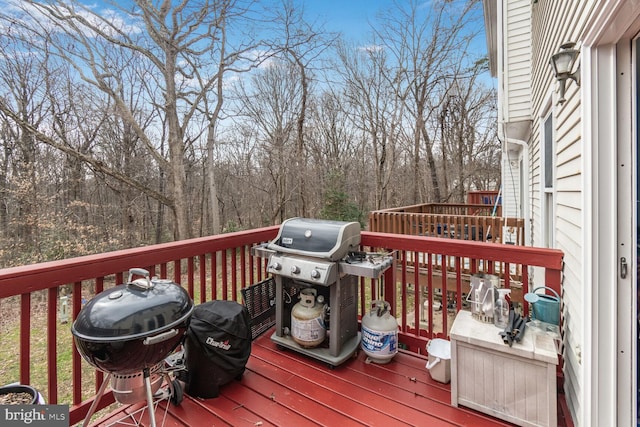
(284, 388)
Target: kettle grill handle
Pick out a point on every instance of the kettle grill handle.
(138, 272)
(143, 284)
(160, 337)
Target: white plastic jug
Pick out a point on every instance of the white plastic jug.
(439, 364)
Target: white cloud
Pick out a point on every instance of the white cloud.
(371, 48)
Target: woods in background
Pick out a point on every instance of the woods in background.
(140, 122)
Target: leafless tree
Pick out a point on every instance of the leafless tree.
(425, 46)
(468, 147)
(171, 46)
(302, 44)
(231, 58)
(340, 158)
(22, 80)
(376, 109)
(270, 101)
(117, 114)
(277, 99)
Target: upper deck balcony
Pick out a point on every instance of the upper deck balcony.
(425, 288)
(480, 219)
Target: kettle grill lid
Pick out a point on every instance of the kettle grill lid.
(129, 311)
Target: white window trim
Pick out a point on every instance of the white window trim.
(547, 226)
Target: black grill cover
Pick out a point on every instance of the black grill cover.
(217, 346)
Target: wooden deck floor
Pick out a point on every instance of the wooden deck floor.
(284, 388)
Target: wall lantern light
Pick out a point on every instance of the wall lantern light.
(563, 63)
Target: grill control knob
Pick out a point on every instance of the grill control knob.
(276, 266)
(315, 274)
(295, 269)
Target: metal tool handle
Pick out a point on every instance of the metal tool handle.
(160, 337)
(546, 287)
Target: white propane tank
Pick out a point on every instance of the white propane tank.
(380, 333)
(307, 319)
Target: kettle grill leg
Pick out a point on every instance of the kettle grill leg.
(147, 386)
(92, 408)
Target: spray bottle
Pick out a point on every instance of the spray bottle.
(501, 310)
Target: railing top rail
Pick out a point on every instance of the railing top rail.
(410, 208)
(430, 214)
(30, 278)
(526, 255)
(24, 279)
(480, 210)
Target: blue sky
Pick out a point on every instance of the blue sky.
(351, 17)
(354, 18)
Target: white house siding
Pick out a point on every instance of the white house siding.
(529, 32)
(517, 54)
(515, 108)
(553, 23)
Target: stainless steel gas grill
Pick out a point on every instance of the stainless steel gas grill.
(316, 265)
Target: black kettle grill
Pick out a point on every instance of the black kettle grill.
(129, 330)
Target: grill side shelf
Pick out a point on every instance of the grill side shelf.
(262, 251)
(369, 269)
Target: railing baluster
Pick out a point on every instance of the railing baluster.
(190, 276)
(372, 290)
(458, 284)
(416, 293)
(99, 375)
(243, 266)
(177, 271)
(214, 275)
(52, 341)
(234, 274)
(430, 292)
(417, 288)
(403, 291)
(151, 269)
(25, 338)
(163, 270)
(361, 288)
(202, 265)
(76, 363)
(445, 297)
(225, 281)
(255, 266)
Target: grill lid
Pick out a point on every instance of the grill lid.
(331, 240)
(133, 310)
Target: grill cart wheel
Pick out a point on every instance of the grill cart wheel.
(177, 394)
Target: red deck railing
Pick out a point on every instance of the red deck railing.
(477, 222)
(477, 209)
(426, 270)
(485, 197)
